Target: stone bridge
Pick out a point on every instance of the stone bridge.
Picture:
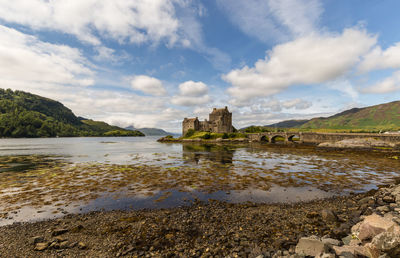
(316, 138)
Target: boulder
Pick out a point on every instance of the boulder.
(350, 251)
(329, 215)
(388, 199)
(388, 242)
(330, 241)
(374, 225)
(311, 246)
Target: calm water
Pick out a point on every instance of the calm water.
(42, 178)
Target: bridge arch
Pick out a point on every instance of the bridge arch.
(277, 137)
(264, 138)
(293, 137)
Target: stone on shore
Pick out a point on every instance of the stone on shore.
(311, 246)
(388, 242)
(41, 246)
(60, 231)
(350, 251)
(329, 215)
(372, 226)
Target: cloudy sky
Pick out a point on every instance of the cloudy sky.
(150, 63)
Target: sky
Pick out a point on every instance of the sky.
(150, 63)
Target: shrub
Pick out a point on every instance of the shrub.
(206, 136)
(190, 132)
(225, 136)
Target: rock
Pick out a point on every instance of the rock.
(373, 225)
(37, 239)
(388, 199)
(325, 255)
(41, 246)
(64, 245)
(58, 232)
(312, 214)
(354, 242)
(350, 251)
(311, 246)
(330, 241)
(82, 245)
(366, 200)
(329, 215)
(388, 242)
(380, 201)
(347, 240)
(372, 251)
(383, 209)
(60, 239)
(54, 245)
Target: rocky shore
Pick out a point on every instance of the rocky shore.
(351, 226)
(198, 140)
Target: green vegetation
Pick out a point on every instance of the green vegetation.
(374, 119)
(27, 115)
(260, 129)
(192, 134)
(385, 117)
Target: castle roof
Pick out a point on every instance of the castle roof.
(191, 119)
(220, 110)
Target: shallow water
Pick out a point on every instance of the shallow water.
(44, 178)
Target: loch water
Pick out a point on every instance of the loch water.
(49, 177)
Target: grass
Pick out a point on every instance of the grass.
(213, 136)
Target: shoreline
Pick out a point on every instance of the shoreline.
(214, 228)
(332, 146)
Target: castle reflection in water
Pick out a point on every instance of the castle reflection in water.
(194, 153)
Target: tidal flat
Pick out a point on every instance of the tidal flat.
(120, 175)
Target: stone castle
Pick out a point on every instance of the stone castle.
(220, 121)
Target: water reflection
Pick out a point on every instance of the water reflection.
(193, 153)
(117, 173)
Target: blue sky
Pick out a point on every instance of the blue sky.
(150, 63)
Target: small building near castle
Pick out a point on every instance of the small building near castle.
(220, 121)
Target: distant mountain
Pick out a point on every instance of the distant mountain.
(24, 114)
(379, 117)
(288, 123)
(150, 131)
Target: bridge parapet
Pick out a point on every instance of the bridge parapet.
(316, 138)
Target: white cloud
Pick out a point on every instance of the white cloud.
(194, 89)
(297, 104)
(173, 22)
(123, 20)
(191, 94)
(273, 20)
(307, 60)
(378, 59)
(388, 85)
(345, 87)
(148, 85)
(24, 59)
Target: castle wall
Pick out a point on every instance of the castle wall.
(190, 123)
(220, 121)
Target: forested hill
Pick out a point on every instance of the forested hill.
(24, 114)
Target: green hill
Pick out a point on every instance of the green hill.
(24, 114)
(151, 131)
(374, 118)
(288, 123)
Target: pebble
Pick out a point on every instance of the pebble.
(58, 232)
(41, 246)
(82, 245)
